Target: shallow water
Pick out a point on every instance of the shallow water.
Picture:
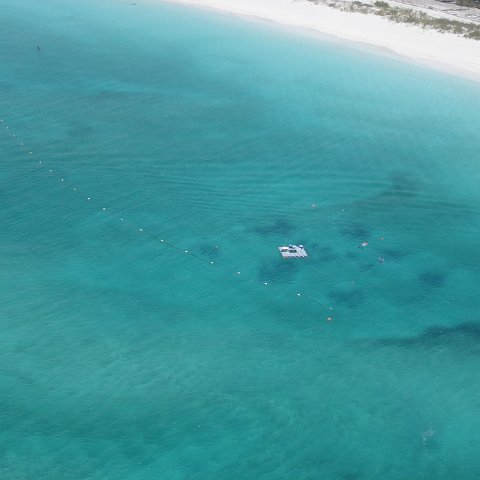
(126, 358)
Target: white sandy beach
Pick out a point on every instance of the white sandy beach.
(448, 52)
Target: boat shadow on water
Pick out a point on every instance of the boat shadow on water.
(280, 271)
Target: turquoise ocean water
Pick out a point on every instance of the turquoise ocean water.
(125, 358)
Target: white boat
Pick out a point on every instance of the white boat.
(293, 251)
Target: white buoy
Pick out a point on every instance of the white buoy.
(88, 198)
(211, 263)
(103, 208)
(298, 294)
(186, 251)
(140, 229)
(265, 283)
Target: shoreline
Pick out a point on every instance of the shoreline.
(446, 52)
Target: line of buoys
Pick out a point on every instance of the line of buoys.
(140, 229)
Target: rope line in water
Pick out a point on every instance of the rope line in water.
(118, 217)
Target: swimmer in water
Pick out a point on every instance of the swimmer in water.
(381, 259)
(363, 245)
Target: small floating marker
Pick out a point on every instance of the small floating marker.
(74, 189)
(186, 251)
(51, 171)
(13, 135)
(329, 319)
(103, 208)
(63, 180)
(330, 308)
(121, 219)
(265, 283)
(30, 153)
(298, 294)
(211, 263)
(314, 205)
(161, 240)
(140, 229)
(88, 198)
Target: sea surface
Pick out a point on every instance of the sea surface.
(127, 357)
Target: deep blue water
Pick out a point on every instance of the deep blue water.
(125, 358)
